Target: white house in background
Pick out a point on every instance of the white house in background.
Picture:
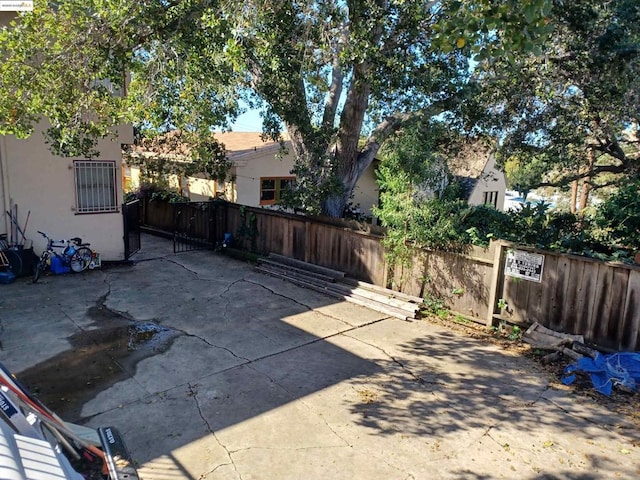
(259, 174)
(64, 197)
(475, 168)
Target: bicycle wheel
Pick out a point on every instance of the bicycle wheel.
(81, 259)
(15, 262)
(39, 268)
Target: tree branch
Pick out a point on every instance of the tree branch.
(330, 108)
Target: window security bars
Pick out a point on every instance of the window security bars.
(95, 186)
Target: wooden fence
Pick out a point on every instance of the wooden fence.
(574, 295)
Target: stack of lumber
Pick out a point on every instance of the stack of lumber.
(336, 284)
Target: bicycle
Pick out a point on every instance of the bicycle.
(75, 255)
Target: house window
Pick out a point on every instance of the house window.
(95, 186)
(272, 188)
(490, 198)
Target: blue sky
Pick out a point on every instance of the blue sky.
(250, 121)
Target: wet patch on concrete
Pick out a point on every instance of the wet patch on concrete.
(99, 358)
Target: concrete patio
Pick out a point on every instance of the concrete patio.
(249, 377)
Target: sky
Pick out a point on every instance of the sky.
(250, 121)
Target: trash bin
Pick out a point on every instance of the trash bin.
(21, 261)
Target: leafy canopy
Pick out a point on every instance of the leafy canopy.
(331, 71)
(573, 112)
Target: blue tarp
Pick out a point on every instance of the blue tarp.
(607, 370)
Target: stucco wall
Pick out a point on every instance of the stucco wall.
(366, 192)
(250, 167)
(44, 184)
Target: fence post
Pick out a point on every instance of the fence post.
(497, 282)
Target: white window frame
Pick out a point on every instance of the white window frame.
(95, 185)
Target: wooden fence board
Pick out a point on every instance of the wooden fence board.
(550, 278)
(602, 305)
(582, 299)
(628, 339)
(558, 294)
(617, 302)
(534, 299)
(571, 290)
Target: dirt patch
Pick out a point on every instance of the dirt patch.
(622, 403)
(100, 357)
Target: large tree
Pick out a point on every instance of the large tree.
(331, 71)
(572, 114)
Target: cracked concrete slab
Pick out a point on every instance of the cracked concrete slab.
(260, 379)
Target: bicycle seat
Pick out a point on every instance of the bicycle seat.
(76, 240)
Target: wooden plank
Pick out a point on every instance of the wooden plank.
(571, 295)
(306, 266)
(583, 306)
(521, 303)
(287, 267)
(557, 296)
(376, 288)
(353, 299)
(550, 282)
(534, 298)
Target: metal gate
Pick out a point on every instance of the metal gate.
(131, 213)
(199, 225)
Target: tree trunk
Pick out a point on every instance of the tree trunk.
(346, 150)
(587, 184)
(574, 196)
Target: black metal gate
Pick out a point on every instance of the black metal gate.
(199, 225)
(131, 213)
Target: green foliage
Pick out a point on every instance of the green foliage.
(316, 180)
(418, 206)
(63, 61)
(617, 220)
(515, 333)
(523, 173)
(248, 229)
(571, 113)
(191, 60)
(156, 192)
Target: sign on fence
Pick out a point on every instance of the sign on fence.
(525, 265)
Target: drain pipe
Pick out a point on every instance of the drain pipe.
(4, 175)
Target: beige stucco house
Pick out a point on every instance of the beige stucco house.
(259, 172)
(64, 197)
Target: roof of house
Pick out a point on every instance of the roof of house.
(236, 144)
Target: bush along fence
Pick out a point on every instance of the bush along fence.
(505, 282)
